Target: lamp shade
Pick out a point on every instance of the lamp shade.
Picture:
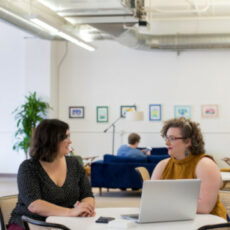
(134, 116)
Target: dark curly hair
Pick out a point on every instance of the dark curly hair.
(188, 129)
(48, 134)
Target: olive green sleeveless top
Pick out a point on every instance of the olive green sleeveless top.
(185, 169)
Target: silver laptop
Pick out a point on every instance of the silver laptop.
(167, 200)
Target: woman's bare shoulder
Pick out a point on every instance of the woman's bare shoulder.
(207, 166)
(206, 162)
(164, 162)
(159, 169)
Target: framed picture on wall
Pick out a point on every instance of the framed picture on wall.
(209, 111)
(155, 112)
(102, 114)
(127, 108)
(76, 112)
(183, 111)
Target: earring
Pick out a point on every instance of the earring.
(187, 152)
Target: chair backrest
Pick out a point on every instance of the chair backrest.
(31, 224)
(7, 204)
(224, 226)
(143, 172)
(225, 199)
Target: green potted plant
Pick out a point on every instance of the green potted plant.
(27, 116)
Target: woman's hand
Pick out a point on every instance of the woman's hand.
(82, 209)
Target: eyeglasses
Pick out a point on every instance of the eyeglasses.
(172, 138)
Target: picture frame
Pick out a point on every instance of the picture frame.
(182, 111)
(210, 111)
(127, 108)
(76, 112)
(102, 114)
(155, 112)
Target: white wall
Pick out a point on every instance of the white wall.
(25, 67)
(12, 77)
(37, 67)
(115, 75)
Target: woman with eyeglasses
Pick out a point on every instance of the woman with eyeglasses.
(51, 183)
(188, 160)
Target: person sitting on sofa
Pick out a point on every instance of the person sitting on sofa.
(131, 150)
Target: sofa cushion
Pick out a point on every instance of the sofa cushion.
(119, 159)
(159, 151)
(156, 158)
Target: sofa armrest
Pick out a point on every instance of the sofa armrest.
(117, 175)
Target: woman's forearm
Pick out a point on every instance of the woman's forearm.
(89, 200)
(205, 208)
(44, 208)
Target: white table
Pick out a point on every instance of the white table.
(225, 176)
(88, 223)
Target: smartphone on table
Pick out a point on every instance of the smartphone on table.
(104, 219)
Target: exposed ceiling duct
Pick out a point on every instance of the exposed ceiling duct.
(178, 42)
(26, 26)
(179, 24)
(37, 19)
(140, 24)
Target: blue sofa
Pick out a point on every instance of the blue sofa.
(119, 172)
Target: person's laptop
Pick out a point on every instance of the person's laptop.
(167, 200)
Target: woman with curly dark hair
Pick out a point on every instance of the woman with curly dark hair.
(188, 160)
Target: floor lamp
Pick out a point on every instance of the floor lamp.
(130, 116)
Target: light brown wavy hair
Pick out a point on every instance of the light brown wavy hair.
(189, 129)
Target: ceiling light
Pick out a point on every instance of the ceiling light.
(76, 41)
(62, 34)
(45, 26)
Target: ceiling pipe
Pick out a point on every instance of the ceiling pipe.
(175, 42)
(189, 41)
(24, 24)
(13, 12)
(136, 37)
